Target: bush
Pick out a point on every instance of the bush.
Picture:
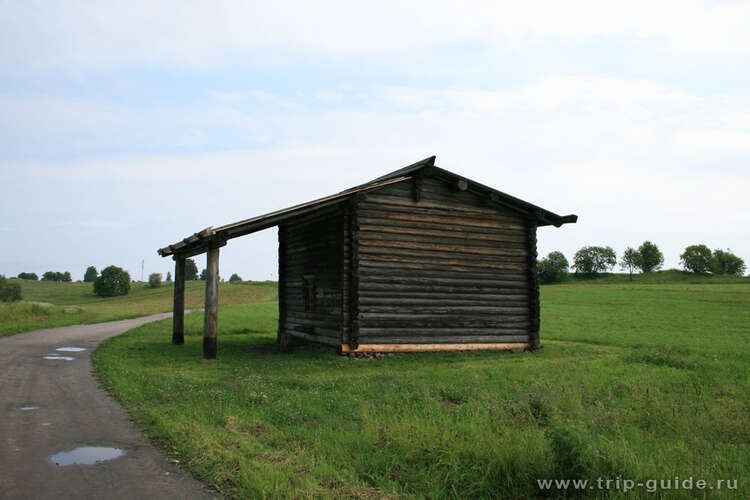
(235, 278)
(552, 269)
(593, 260)
(725, 262)
(113, 281)
(154, 280)
(650, 258)
(90, 275)
(191, 270)
(9, 291)
(696, 258)
(56, 276)
(28, 276)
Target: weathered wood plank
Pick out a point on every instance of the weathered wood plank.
(178, 311)
(314, 338)
(211, 309)
(408, 347)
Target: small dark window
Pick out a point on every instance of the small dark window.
(309, 291)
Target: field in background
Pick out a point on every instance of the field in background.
(641, 381)
(50, 304)
(670, 276)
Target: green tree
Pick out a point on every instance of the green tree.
(154, 280)
(696, 258)
(90, 275)
(9, 290)
(650, 259)
(191, 270)
(235, 278)
(169, 277)
(112, 281)
(49, 276)
(66, 277)
(551, 269)
(630, 260)
(594, 260)
(28, 276)
(725, 262)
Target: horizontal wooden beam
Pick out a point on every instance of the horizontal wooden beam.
(512, 346)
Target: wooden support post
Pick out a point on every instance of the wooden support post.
(178, 312)
(211, 311)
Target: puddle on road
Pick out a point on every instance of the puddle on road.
(86, 455)
(57, 356)
(70, 349)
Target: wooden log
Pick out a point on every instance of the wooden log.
(354, 276)
(459, 239)
(534, 306)
(445, 313)
(178, 311)
(437, 332)
(314, 338)
(399, 259)
(439, 250)
(386, 199)
(410, 225)
(211, 310)
(443, 339)
(367, 286)
(504, 346)
(451, 215)
(447, 219)
(417, 301)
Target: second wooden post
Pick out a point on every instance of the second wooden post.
(178, 312)
(211, 311)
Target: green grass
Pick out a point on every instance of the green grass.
(49, 304)
(634, 381)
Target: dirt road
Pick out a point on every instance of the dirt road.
(55, 405)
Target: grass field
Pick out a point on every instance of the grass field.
(643, 382)
(48, 304)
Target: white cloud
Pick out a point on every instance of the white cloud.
(77, 33)
(635, 160)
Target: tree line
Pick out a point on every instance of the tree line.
(592, 260)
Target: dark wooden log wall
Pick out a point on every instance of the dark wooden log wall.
(451, 267)
(312, 245)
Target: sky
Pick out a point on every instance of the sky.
(127, 126)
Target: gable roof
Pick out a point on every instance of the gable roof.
(200, 241)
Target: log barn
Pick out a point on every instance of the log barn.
(420, 259)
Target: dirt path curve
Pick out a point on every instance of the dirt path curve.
(74, 411)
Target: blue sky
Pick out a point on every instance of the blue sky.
(125, 126)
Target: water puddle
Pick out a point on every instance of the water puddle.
(57, 356)
(70, 349)
(86, 455)
(29, 408)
